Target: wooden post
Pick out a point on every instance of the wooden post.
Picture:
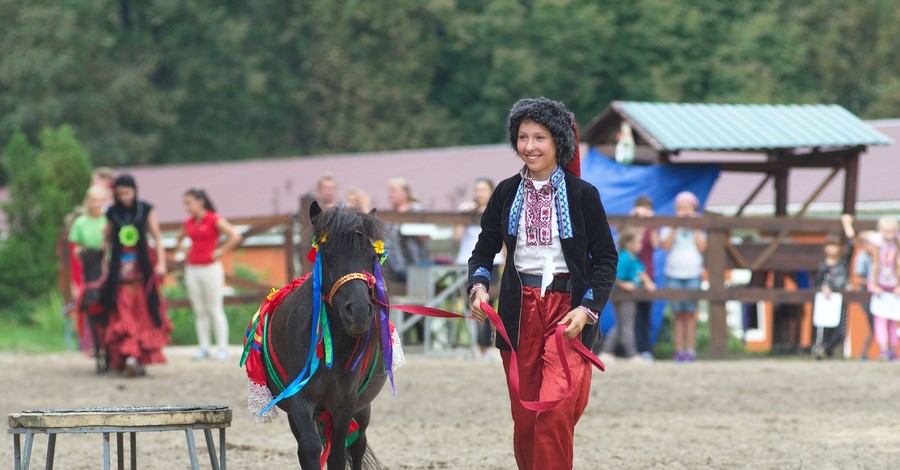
(305, 232)
(715, 265)
(289, 249)
(851, 173)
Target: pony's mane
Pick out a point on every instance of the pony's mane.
(344, 227)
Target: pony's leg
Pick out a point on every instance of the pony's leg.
(340, 423)
(309, 448)
(357, 450)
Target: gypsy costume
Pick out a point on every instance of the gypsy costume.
(137, 324)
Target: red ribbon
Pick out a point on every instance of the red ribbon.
(539, 405)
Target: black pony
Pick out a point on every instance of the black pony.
(345, 391)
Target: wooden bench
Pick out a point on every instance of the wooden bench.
(132, 419)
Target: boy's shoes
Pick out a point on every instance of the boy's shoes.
(607, 358)
(648, 356)
(202, 354)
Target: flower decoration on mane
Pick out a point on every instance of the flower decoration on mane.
(380, 251)
(317, 241)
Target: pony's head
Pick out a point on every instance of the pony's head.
(347, 244)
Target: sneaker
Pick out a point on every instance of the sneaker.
(648, 356)
(607, 358)
(690, 355)
(680, 356)
(202, 354)
(638, 359)
(222, 354)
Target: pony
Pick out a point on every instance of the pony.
(337, 399)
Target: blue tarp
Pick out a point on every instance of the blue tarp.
(620, 185)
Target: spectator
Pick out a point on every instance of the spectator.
(862, 268)
(407, 249)
(467, 236)
(357, 200)
(104, 177)
(327, 192)
(886, 279)
(86, 234)
(643, 322)
(630, 276)
(833, 274)
(138, 327)
(683, 270)
(204, 275)
(560, 266)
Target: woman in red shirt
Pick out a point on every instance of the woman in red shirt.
(203, 272)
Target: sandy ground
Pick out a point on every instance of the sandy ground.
(452, 413)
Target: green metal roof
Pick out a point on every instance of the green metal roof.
(674, 127)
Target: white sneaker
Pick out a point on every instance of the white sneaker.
(607, 358)
(202, 354)
(222, 354)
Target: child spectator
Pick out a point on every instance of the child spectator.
(684, 268)
(630, 276)
(884, 278)
(643, 324)
(833, 274)
(862, 268)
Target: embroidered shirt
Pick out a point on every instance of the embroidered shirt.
(532, 246)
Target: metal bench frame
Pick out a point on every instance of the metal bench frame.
(146, 419)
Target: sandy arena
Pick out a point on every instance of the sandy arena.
(452, 413)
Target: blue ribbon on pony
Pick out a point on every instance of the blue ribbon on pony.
(312, 359)
(384, 324)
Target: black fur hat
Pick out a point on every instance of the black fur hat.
(551, 114)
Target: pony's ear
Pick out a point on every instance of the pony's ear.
(372, 212)
(314, 210)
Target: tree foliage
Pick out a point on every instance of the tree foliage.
(44, 186)
(167, 81)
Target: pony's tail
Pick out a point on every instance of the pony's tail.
(369, 461)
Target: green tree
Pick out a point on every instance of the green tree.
(44, 187)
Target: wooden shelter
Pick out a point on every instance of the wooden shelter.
(771, 140)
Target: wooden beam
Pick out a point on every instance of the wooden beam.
(743, 294)
(762, 224)
(753, 194)
(783, 234)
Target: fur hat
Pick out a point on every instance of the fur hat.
(555, 117)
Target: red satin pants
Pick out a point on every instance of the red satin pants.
(543, 440)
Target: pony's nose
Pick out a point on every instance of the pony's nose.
(359, 315)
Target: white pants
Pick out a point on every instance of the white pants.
(204, 285)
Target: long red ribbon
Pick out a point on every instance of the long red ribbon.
(538, 405)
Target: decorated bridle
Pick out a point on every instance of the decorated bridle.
(364, 276)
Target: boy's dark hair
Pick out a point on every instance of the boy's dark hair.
(627, 236)
(643, 201)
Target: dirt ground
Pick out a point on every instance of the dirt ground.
(452, 413)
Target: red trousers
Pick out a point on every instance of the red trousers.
(543, 440)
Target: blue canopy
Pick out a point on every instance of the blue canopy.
(620, 185)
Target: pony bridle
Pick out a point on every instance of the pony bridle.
(368, 278)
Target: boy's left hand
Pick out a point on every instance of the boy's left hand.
(576, 319)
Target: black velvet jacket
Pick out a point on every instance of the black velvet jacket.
(590, 254)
